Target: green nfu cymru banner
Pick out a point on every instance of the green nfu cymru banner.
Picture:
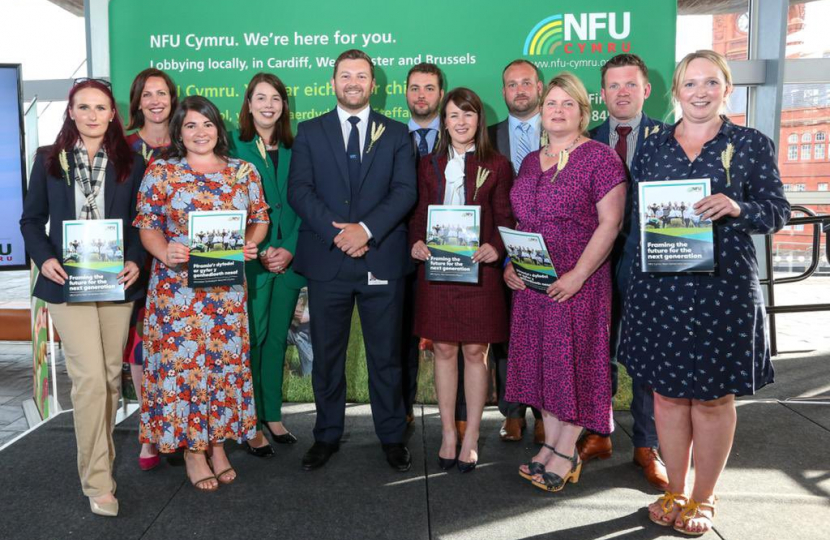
(212, 48)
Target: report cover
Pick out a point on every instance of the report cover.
(453, 234)
(93, 255)
(672, 237)
(216, 242)
(530, 257)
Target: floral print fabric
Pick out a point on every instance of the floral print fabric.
(197, 378)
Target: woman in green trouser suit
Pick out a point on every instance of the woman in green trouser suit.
(264, 139)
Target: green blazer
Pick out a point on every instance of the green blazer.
(275, 185)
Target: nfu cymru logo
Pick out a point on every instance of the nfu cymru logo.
(577, 34)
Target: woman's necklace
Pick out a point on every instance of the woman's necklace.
(567, 149)
(563, 156)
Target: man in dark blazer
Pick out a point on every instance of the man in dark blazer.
(515, 137)
(625, 88)
(352, 183)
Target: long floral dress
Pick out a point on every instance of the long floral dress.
(559, 354)
(197, 377)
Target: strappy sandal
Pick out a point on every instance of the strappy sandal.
(535, 467)
(668, 503)
(552, 482)
(696, 510)
(205, 483)
(219, 475)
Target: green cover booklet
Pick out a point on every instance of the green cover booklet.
(216, 242)
(93, 255)
(672, 237)
(530, 257)
(453, 234)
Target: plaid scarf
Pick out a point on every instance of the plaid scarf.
(90, 179)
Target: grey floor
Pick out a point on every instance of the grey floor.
(777, 483)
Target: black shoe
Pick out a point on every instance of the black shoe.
(285, 438)
(446, 464)
(398, 456)
(318, 455)
(465, 466)
(263, 451)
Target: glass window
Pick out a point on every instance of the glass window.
(806, 136)
(822, 186)
(807, 35)
(721, 26)
(792, 152)
(821, 136)
(736, 105)
(805, 152)
(818, 151)
(793, 138)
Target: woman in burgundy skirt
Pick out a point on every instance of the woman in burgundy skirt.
(463, 170)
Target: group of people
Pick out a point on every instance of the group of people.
(342, 209)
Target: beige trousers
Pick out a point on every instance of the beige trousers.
(94, 335)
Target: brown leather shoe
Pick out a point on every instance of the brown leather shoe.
(460, 429)
(512, 428)
(539, 432)
(653, 467)
(593, 446)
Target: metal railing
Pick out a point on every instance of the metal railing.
(818, 222)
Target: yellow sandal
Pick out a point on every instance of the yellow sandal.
(668, 502)
(697, 510)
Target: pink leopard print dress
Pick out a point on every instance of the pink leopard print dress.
(559, 353)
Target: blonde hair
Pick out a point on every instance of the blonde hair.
(706, 54)
(572, 86)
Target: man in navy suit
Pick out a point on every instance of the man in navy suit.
(625, 88)
(352, 183)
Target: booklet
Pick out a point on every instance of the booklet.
(93, 255)
(672, 237)
(216, 241)
(453, 234)
(530, 257)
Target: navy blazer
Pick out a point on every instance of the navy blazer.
(320, 193)
(620, 260)
(51, 200)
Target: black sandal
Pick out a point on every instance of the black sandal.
(552, 482)
(535, 467)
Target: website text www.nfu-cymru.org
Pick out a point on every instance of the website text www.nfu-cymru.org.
(559, 63)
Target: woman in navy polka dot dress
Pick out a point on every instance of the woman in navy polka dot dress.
(700, 340)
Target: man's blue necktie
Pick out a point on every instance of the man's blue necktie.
(522, 144)
(423, 147)
(353, 155)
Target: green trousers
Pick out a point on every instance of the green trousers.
(270, 310)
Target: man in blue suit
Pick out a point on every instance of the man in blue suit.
(625, 88)
(352, 183)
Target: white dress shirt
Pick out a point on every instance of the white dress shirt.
(346, 128)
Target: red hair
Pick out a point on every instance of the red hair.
(115, 143)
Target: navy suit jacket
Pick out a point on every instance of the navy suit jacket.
(51, 200)
(620, 259)
(320, 193)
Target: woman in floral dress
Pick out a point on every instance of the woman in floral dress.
(197, 383)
